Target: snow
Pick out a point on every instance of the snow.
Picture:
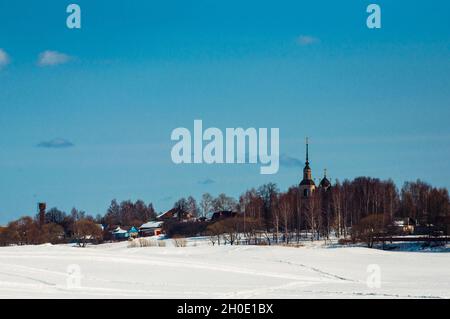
(204, 271)
(152, 224)
(119, 230)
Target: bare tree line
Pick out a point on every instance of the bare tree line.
(362, 203)
(264, 215)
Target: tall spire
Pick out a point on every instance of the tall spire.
(307, 146)
(307, 185)
(325, 173)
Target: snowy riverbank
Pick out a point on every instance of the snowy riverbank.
(204, 271)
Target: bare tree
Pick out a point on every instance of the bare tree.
(52, 233)
(368, 229)
(285, 212)
(224, 202)
(86, 230)
(206, 203)
(215, 231)
(192, 207)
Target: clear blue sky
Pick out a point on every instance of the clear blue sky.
(374, 102)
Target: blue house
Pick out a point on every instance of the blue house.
(119, 233)
(124, 232)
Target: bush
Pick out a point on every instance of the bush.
(133, 244)
(52, 233)
(161, 243)
(369, 229)
(85, 231)
(145, 242)
(179, 241)
(8, 236)
(345, 241)
(262, 243)
(184, 229)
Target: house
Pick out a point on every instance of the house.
(152, 228)
(175, 213)
(120, 233)
(404, 225)
(222, 215)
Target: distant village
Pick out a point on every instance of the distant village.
(363, 210)
(155, 227)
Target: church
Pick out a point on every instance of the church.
(307, 186)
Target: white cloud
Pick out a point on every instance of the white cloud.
(49, 58)
(4, 58)
(305, 40)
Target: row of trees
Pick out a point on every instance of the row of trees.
(207, 204)
(27, 231)
(267, 214)
(263, 213)
(78, 226)
(128, 213)
(343, 206)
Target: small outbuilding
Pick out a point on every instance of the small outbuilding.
(405, 225)
(119, 233)
(133, 232)
(151, 228)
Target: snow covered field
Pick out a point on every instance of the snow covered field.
(204, 271)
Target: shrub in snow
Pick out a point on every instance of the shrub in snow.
(179, 242)
(133, 244)
(161, 244)
(145, 242)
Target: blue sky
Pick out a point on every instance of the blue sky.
(96, 125)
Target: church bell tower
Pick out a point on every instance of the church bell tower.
(307, 185)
